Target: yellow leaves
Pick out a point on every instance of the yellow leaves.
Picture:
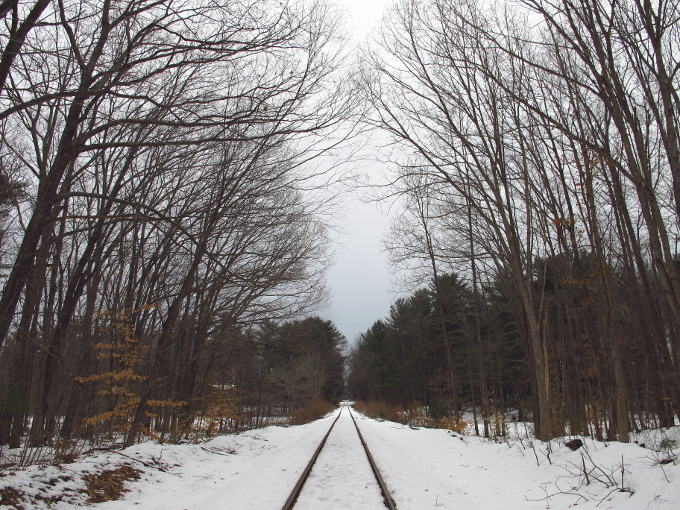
(121, 375)
(165, 403)
(124, 354)
(119, 414)
(563, 222)
(150, 433)
(116, 390)
(88, 379)
(223, 409)
(149, 306)
(453, 424)
(123, 351)
(105, 355)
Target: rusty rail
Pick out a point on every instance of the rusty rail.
(305, 474)
(387, 498)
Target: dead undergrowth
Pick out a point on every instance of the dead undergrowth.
(380, 410)
(413, 416)
(109, 485)
(312, 410)
(11, 497)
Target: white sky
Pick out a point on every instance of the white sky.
(359, 280)
(363, 14)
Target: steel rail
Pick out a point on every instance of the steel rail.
(387, 498)
(303, 478)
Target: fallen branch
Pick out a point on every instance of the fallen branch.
(211, 450)
(159, 468)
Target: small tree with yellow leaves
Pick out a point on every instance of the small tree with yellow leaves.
(119, 381)
(222, 408)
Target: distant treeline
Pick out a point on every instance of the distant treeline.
(453, 350)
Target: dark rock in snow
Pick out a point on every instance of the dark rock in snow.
(574, 444)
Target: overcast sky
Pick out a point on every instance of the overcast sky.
(359, 280)
(364, 14)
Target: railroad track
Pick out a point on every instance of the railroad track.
(298, 489)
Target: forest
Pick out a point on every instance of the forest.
(167, 173)
(160, 242)
(538, 173)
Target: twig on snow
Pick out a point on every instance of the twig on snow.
(159, 468)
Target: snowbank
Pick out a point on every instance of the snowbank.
(424, 468)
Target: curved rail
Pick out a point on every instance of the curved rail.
(387, 499)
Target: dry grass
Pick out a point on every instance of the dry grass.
(109, 484)
(380, 410)
(312, 410)
(414, 416)
(11, 497)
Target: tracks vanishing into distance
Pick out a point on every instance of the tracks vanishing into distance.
(342, 470)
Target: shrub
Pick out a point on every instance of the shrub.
(312, 410)
(453, 424)
(667, 444)
(414, 416)
(380, 410)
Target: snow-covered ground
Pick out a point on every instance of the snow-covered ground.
(342, 476)
(423, 468)
(429, 468)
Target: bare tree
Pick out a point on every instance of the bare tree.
(456, 119)
(152, 66)
(167, 159)
(553, 143)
